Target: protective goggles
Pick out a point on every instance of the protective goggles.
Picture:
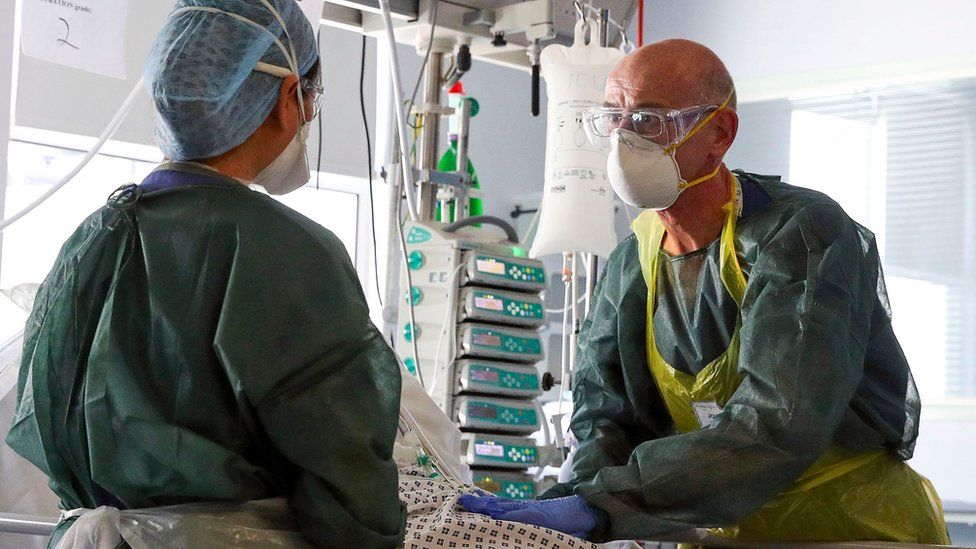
(666, 127)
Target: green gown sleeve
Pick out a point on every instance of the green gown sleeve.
(605, 421)
(296, 341)
(806, 317)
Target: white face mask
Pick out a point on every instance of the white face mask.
(290, 170)
(644, 173)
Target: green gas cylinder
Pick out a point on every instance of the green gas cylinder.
(448, 163)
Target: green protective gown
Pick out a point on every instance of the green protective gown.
(198, 341)
(819, 361)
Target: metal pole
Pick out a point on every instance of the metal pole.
(401, 125)
(28, 525)
(576, 319)
(429, 134)
(591, 277)
(604, 23)
(461, 207)
(391, 304)
(564, 371)
(8, 55)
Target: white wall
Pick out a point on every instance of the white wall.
(6, 71)
(944, 454)
(344, 139)
(773, 47)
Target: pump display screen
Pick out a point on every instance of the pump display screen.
(487, 339)
(491, 266)
(489, 303)
(485, 375)
(483, 411)
(489, 450)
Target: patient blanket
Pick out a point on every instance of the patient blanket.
(435, 520)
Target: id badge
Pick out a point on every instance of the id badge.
(706, 412)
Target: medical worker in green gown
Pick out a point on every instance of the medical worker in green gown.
(198, 341)
(738, 370)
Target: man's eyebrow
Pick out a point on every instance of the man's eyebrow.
(651, 105)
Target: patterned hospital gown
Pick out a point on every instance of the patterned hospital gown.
(435, 520)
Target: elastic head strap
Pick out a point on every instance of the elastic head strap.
(290, 56)
(671, 148)
(246, 21)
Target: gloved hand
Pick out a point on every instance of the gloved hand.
(570, 514)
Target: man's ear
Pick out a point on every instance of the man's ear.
(726, 124)
(285, 112)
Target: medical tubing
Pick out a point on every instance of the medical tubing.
(16, 338)
(369, 167)
(536, 85)
(430, 45)
(564, 336)
(428, 447)
(546, 434)
(529, 236)
(414, 329)
(401, 122)
(107, 134)
(561, 310)
(450, 319)
(510, 231)
(575, 321)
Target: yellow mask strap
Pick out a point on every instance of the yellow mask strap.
(690, 184)
(671, 148)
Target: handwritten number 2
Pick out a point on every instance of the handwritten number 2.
(67, 34)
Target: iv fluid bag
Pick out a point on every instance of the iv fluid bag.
(577, 202)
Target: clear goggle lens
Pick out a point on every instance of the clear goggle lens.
(314, 89)
(662, 126)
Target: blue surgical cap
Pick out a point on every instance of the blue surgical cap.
(201, 77)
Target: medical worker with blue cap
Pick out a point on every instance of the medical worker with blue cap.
(196, 341)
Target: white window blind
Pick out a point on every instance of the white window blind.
(902, 161)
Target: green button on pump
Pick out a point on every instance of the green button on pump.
(416, 260)
(409, 330)
(411, 366)
(416, 296)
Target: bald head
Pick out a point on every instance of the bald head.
(672, 73)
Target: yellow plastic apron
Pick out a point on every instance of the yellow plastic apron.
(842, 496)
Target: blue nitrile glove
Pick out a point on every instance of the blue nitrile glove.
(570, 514)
